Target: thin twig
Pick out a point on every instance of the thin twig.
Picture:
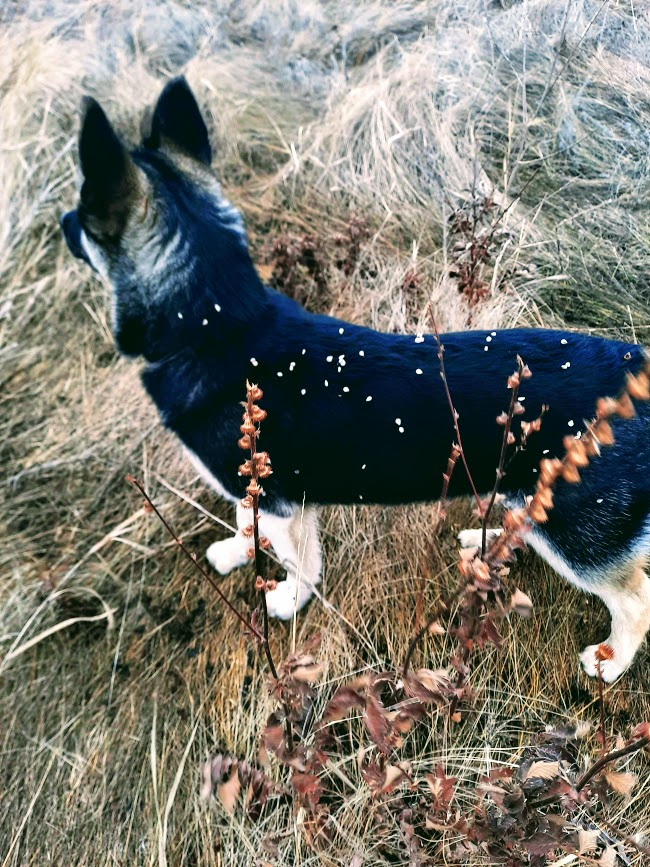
(442, 608)
(601, 701)
(589, 774)
(454, 414)
(255, 497)
(259, 469)
(452, 460)
(502, 457)
(191, 556)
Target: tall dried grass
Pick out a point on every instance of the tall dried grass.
(393, 111)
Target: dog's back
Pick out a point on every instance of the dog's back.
(368, 404)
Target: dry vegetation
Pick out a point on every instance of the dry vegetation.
(353, 135)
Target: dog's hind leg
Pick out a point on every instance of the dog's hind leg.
(296, 543)
(627, 595)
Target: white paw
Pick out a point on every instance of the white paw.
(227, 554)
(282, 602)
(474, 538)
(610, 668)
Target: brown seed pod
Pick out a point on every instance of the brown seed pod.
(604, 652)
(536, 511)
(570, 473)
(254, 391)
(605, 406)
(625, 407)
(257, 414)
(576, 450)
(639, 386)
(604, 433)
(545, 495)
(549, 470)
(514, 519)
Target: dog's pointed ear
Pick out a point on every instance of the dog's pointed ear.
(110, 177)
(178, 119)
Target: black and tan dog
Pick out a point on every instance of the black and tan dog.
(154, 224)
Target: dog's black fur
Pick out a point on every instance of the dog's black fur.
(350, 417)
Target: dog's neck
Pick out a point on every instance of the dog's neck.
(204, 309)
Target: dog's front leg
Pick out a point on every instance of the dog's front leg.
(296, 543)
(228, 554)
(474, 538)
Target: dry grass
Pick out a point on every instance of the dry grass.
(394, 111)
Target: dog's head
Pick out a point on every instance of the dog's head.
(153, 223)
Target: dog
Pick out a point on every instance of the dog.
(354, 415)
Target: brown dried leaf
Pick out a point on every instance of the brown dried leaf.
(442, 788)
(308, 673)
(307, 786)
(273, 735)
(608, 858)
(587, 840)
(427, 685)
(383, 782)
(378, 722)
(641, 731)
(344, 700)
(542, 771)
(521, 603)
(228, 792)
(622, 782)
(394, 776)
